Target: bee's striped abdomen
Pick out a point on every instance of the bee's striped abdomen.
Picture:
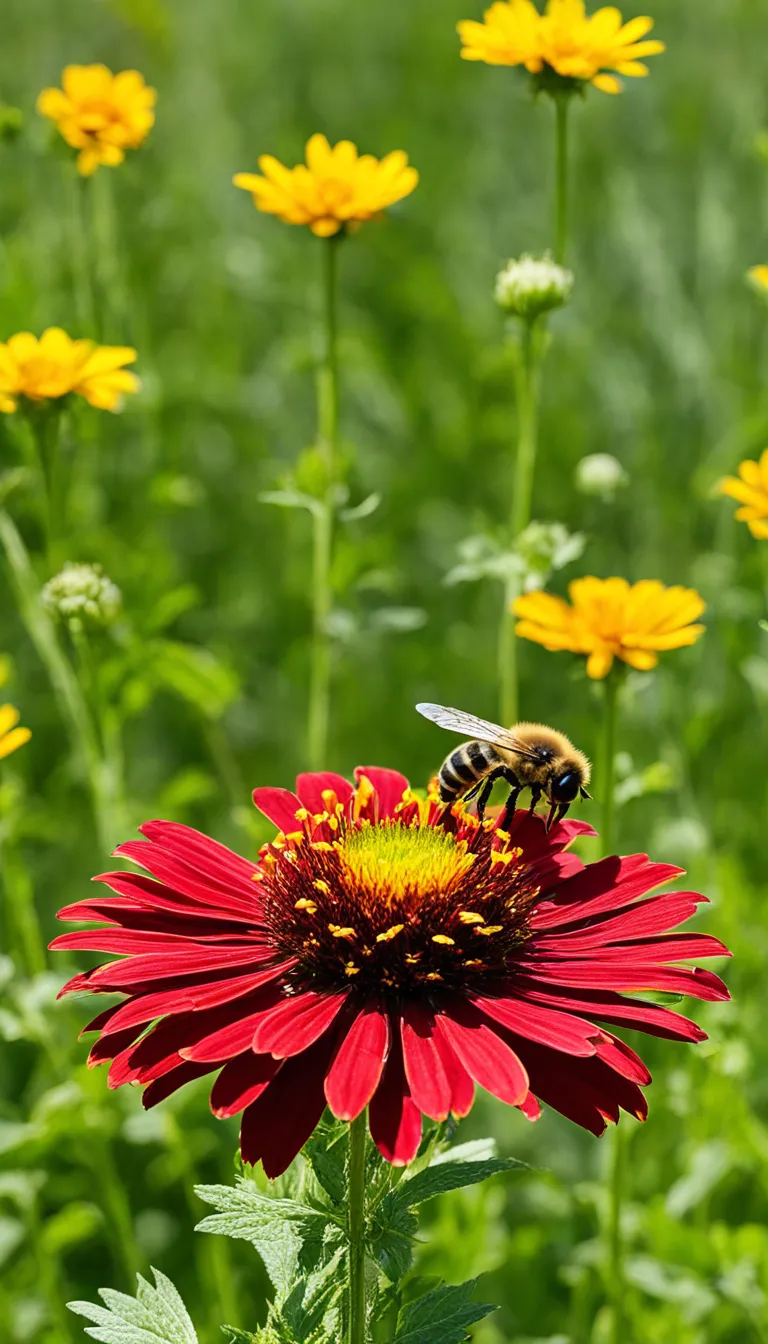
(464, 767)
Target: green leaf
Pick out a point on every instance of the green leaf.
(74, 1223)
(391, 1231)
(448, 1171)
(364, 509)
(237, 1336)
(278, 1228)
(442, 1316)
(326, 1152)
(195, 674)
(172, 605)
(292, 499)
(156, 1315)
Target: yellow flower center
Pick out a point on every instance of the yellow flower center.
(404, 863)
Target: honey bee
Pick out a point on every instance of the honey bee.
(527, 756)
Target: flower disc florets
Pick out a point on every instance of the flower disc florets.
(83, 597)
(399, 907)
(532, 285)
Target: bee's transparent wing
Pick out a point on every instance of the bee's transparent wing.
(456, 721)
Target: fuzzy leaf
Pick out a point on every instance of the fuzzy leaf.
(442, 1316)
(278, 1228)
(391, 1231)
(156, 1315)
(449, 1171)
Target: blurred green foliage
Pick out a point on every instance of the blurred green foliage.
(661, 360)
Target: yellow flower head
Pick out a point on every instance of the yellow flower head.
(758, 279)
(336, 188)
(55, 365)
(750, 488)
(610, 618)
(564, 39)
(100, 114)
(11, 737)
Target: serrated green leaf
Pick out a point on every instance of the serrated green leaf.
(391, 1231)
(156, 1315)
(447, 1173)
(326, 1152)
(278, 1228)
(442, 1316)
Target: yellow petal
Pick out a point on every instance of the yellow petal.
(13, 741)
(9, 717)
(606, 83)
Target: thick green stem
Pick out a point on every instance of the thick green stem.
(562, 107)
(322, 517)
(607, 784)
(527, 383)
(356, 1155)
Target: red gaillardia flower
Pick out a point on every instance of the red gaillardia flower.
(389, 952)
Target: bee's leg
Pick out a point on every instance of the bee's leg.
(485, 792)
(535, 797)
(509, 810)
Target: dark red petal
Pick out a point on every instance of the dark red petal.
(232, 1038)
(390, 786)
(146, 1007)
(201, 852)
(424, 1070)
(102, 1020)
(120, 975)
(240, 1082)
(530, 1107)
(128, 942)
(280, 807)
(562, 1031)
(485, 1056)
(311, 788)
(358, 1065)
(171, 1082)
(108, 1047)
(276, 1126)
(607, 885)
(619, 1056)
(208, 888)
(296, 1023)
(630, 974)
(641, 920)
(609, 1006)
(587, 1091)
(147, 893)
(394, 1118)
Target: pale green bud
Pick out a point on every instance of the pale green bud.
(83, 597)
(601, 475)
(531, 286)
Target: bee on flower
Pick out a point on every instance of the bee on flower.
(610, 618)
(335, 190)
(564, 42)
(49, 368)
(99, 114)
(750, 488)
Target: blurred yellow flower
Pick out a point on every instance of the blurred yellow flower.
(609, 618)
(565, 38)
(55, 365)
(99, 113)
(11, 737)
(752, 493)
(336, 188)
(758, 278)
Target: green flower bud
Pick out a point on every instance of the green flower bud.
(531, 286)
(83, 597)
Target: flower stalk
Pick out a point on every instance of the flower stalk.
(322, 516)
(562, 107)
(527, 383)
(356, 1161)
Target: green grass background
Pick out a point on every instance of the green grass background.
(661, 359)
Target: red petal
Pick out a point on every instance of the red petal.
(604, 886)
(311, 787)
(120, 975)
(459, 1081)
(146, 893)
(390, 786)
(608, 1006)
(146, 1007)
(640, 920)
(356, 1070)
(618, 1055)
(629, 974)
(201, 852)
(164, 1087)
(485, 1056)
(394, 1118)
(424, 1070)
(210, 888)
(562, 1031)
(240, 1082)
(530, 1107)
(232, 1038)
(296, 1023)
(280, 807)
(276, 1126)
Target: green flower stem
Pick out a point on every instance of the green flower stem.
(356, 1155)
(114, 303)
(322, 516)
(78, 189)
(49, 1274)
(111, 765)
(72, 703)
(527, 384)
(607, 784)
(20, 906)
(119, 1219)
(45, 429)
(562, 107)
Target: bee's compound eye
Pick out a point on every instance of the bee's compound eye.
(565, 787)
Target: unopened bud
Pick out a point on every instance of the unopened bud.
(601, 475)
(531, 286)
(83, 597)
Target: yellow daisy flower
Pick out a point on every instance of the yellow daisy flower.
(565, 39)
(752, 493)
(758, 278)
(337, 188)
(100, 114)
(11, 737)
(610, 618)
(55, 365)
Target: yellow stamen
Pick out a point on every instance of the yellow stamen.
(363, 793)
(488, 929)
(305, 904)
(351, 969)
(320, 885)
(339, 932)
(473, 961)
(321, 845)
(301, 814)
(470, 917)
(412, 958)
(330, 799)
(444, 939)
(433, 975)
(390, 933)
(499, 856)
